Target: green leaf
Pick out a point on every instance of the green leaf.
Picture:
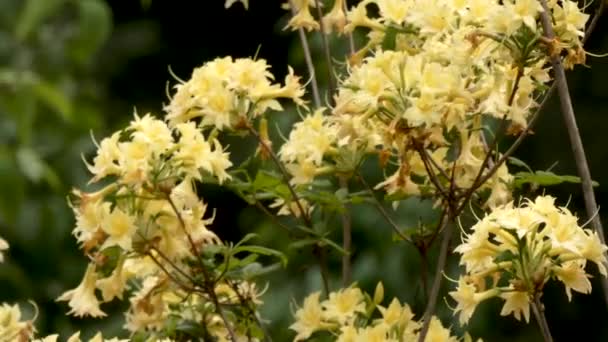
(54, 98)
(544, 178)
(519, 162)
(334, 246)
(388, 43)
(30, 163)
(262, 251)
(246, 238)
(95, 22)
(33, 14)
(303, 243)
(256, 270)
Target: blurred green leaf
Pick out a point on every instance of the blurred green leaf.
(94, 28)
(30, 163)
(32, 15)
(54, 98)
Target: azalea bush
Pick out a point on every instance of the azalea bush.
(426, 95)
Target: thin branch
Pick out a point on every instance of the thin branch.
(284, 173)
(594, 22)
(539, 313)
(520, 138)
(169, 274)
(430, 158)
(209, 284)
(443, 256)
(477, 181)
(346, 238)
(272, 217)
(432, 176)
(383, 212)
(308, 58)
(575, 137)
(351, 40)
(320, 253)
(327, 50)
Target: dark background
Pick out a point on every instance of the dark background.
(73, 70)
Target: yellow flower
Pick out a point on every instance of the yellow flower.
(119, 226)
(82, 299)
(468, 298)
(114, 285)
(516, 302)
(195, 153)
(344, 305)
(309, 318)
(573, 275)
(106, 161)
(151, 132)
(3, 247)
(437, 333)
(594, 250)
(394, 10)
(303, 18)
(348, 333)
(336, 18)
(12, 328)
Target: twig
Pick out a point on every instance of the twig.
(284, 173)
(346, 238)
(575, 137)
(327, 50)
(209, 283)
(351, 41)
(272, 217)
(432, 302)
(319, 252)
(432, 176)
(309, 64)
(477, 182)
(539, 313)
(594, 22)
(383, 212)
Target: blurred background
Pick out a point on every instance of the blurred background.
(72, 68)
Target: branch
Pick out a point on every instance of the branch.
(539, 313)
(443, 255)
(284, 172)
(326, 49)
(209, 283)
(383, 212)
(307, 57)
(574, 135)
(346, 238)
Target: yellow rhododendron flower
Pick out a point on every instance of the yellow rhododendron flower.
(82, 299)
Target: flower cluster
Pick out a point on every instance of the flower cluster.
(225, 93)
(351, 315)
(514, 251)
(437, 72)
(147, 151)
(14, 328)
(145, 231)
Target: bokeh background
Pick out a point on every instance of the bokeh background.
(69, 68)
